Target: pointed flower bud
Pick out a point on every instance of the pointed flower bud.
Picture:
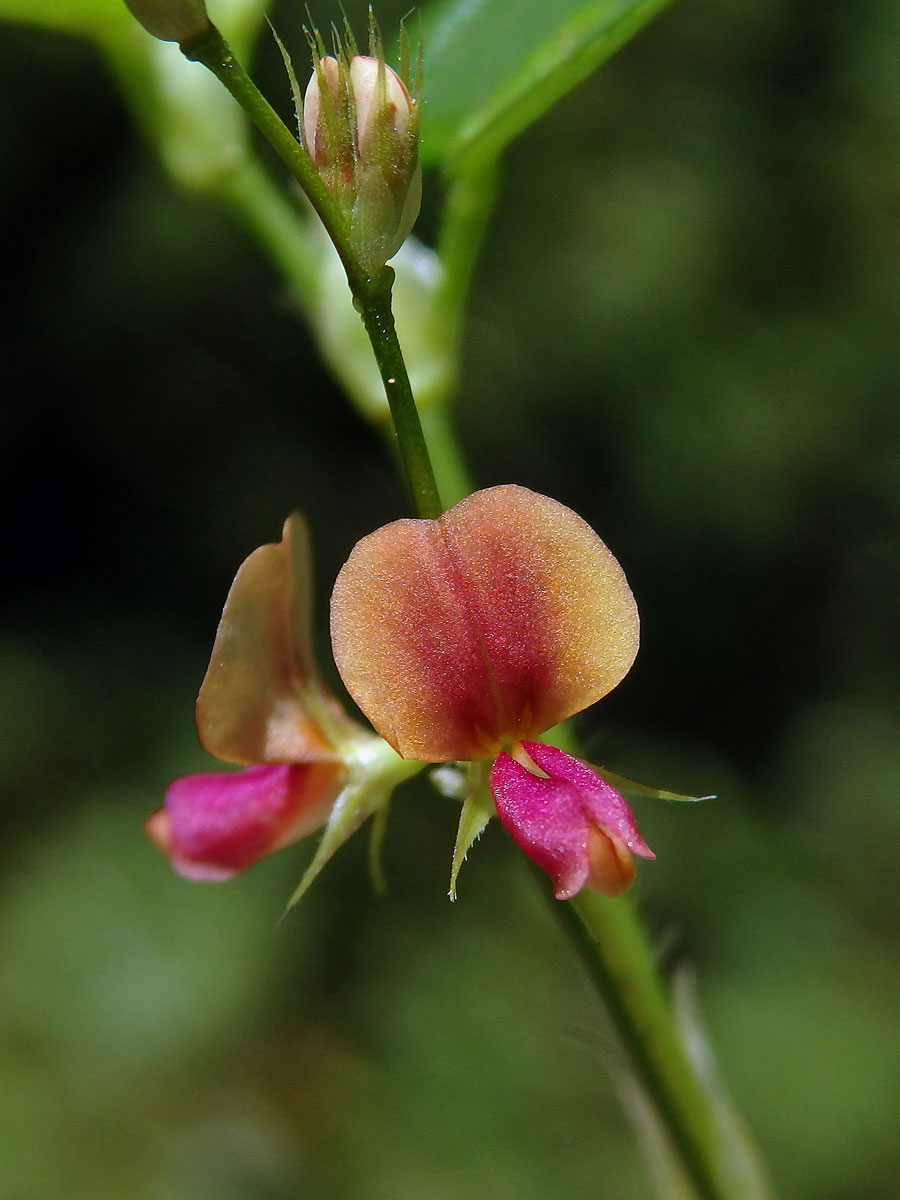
(465, 637)
(171, 20)
(361, 130)
(263, 705)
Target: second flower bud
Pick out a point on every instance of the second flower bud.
(361, 130)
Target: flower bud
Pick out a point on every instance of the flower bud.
(360, 128)
(171, 20)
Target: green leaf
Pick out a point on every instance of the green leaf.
(69, 16)
(494, 66)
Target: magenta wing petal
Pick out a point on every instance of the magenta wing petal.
(573, 824)
(546, 820)
(606, 807)
(215, 825)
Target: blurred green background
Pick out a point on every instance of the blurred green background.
(684, 326)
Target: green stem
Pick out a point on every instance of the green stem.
(374, 302)
(613, 946)
(608, 934)
(371, 293)
(471, 194)
(214, 53)
(450, 469)
(284, 237)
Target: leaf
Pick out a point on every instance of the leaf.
(494, 66)
(69, 16)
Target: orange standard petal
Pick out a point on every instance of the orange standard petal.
(262, 700)
(462, 635)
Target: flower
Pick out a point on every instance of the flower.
(263, 705)
(361, 129)
(465, 637)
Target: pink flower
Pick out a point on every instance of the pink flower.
(466, 637)
(263, 703)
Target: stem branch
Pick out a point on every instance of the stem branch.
(371, 294)
(613, 946)
(277, 226)
(216, 55)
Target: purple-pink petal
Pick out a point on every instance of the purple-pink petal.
(570, 822)
(215, 825)
(546, 820)
(605, 805)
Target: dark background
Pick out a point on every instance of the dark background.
(684, 326)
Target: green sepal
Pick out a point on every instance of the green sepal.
(292, 77)
(373, 771)
(631, 787)
(477, 810)
(377, 833)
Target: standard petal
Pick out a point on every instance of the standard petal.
(604, 804)
(488, 625)
(213, 826)
(254, 703)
